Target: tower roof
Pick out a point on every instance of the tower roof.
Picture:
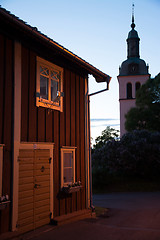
(133, 33)
(133, 65)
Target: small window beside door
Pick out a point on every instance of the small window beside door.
(67, 166)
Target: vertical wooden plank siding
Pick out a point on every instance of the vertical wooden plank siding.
(25, 94)
(41, 124)
(56, 164)
(1, 86)
(82, 130)
(68, 124)
(49, 123)
(78, 155)
(2, 54)
(32, 129)
(68, 107)
(1, 99)
(73, 136)
(7, 126)
(65, 128)
(62, 143)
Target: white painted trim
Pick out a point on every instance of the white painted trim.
(67, 150)
(17, 128)
(68, 147)
(1, 167)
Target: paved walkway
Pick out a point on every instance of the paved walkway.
(130, 216)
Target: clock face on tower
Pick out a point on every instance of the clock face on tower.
(133, 68)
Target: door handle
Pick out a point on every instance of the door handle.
(42, 169)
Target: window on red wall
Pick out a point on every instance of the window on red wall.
(67, 166)
(49, 85)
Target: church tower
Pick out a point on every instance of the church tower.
(133, 72)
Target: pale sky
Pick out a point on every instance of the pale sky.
(96, 30)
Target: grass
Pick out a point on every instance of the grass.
(100, 211)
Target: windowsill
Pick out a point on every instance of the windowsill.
(3, 205)
(71, 189)
(40, 102)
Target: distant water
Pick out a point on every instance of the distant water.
(100, 124)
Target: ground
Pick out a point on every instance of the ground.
(127, 216)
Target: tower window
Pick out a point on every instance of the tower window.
(129, 90)
(137, 86)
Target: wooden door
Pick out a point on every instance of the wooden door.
(34, 189)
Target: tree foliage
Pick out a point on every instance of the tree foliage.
(146, 114)
(135, 155)
(107, 135)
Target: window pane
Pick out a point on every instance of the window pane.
(67, 159)
(54, 89)
(43, 87)
(44, 71)
(55, 75)
(68, 178)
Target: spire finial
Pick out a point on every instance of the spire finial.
(133, 24)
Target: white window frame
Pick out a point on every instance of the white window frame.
(71, 150)
(1, 167)
(47, 103)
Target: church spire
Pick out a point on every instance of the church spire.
(133, 65)
(133, 39)
(133, 24)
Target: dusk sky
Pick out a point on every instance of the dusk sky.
(96, 30)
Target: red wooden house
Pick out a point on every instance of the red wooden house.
(44, 133)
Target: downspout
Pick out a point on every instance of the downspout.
(89, 128)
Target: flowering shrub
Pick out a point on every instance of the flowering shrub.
(74, 187)
(74, 184)
(4, 198)
(137, 154)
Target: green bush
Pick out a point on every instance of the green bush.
(135, 156)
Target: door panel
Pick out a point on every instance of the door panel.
(34, 189)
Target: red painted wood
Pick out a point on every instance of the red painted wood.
(68, 125)
(63, 141)
(56, 164)
(24, 94)
(82, 130)
(68, 107)
(7, 138)
(32, 128)
(78, 154)
(73, 135)
(49, 123)
(52, 126)
(41, 124)
(1, 86)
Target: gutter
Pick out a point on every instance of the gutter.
(89, 127)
